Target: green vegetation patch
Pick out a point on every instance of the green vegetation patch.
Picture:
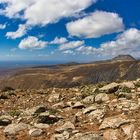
(14, 112)
(137, 84)
(126, 89)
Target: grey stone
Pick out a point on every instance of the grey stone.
(14, 128)
(86, 136)
(78, 105)
(114, 122)
(102, 97)
(89, 99)
(35, 132)
(68, 126)
(89, 109)
(64, 136)
(54, 97)
(97, 114)
(110, 88)
(128, 84)
(41, 125)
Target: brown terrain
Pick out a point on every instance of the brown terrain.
(95, 112)
(72, 75)
(72, 102)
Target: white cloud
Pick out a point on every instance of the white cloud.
(60, 40)
(86, 50)
(43, 12)
(68, 52)
(50, 11)
(95, 25)
(127, 42)
(21, 31)
(71, 45)
(2, 26)
(32, 43)
(14, 7)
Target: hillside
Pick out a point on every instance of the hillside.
(73, 75)
(124, 58)
(95, 112)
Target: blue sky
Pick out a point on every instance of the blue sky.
(80, 30)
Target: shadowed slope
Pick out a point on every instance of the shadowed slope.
(73, 75)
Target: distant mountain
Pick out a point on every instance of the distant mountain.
(123, 58)
(74, 75)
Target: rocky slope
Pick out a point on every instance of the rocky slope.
(95, 112)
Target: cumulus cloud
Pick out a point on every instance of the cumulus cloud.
(71, 45)
(32, 42)
(68, 52)
(127, 42)
(21, 31)
(13, 8)
(50, 11)
(95, 25)
(2, 26)
(60, 40)
(86, 50)
(43, 12)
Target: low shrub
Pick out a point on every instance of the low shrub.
(7, 89)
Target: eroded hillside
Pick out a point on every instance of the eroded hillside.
(73, 75)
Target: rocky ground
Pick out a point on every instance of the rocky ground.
(94, 112)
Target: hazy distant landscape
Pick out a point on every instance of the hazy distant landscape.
(123, 67)
(7, 68)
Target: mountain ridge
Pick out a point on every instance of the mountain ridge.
(75, 74)
(124, 58)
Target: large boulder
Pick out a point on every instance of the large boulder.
(14, 128)
(68, 126)
(128, 84)
(102, 97)
(97, 114)
(110, 88)
(89, 99)
(86, 136)
(114, 122)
